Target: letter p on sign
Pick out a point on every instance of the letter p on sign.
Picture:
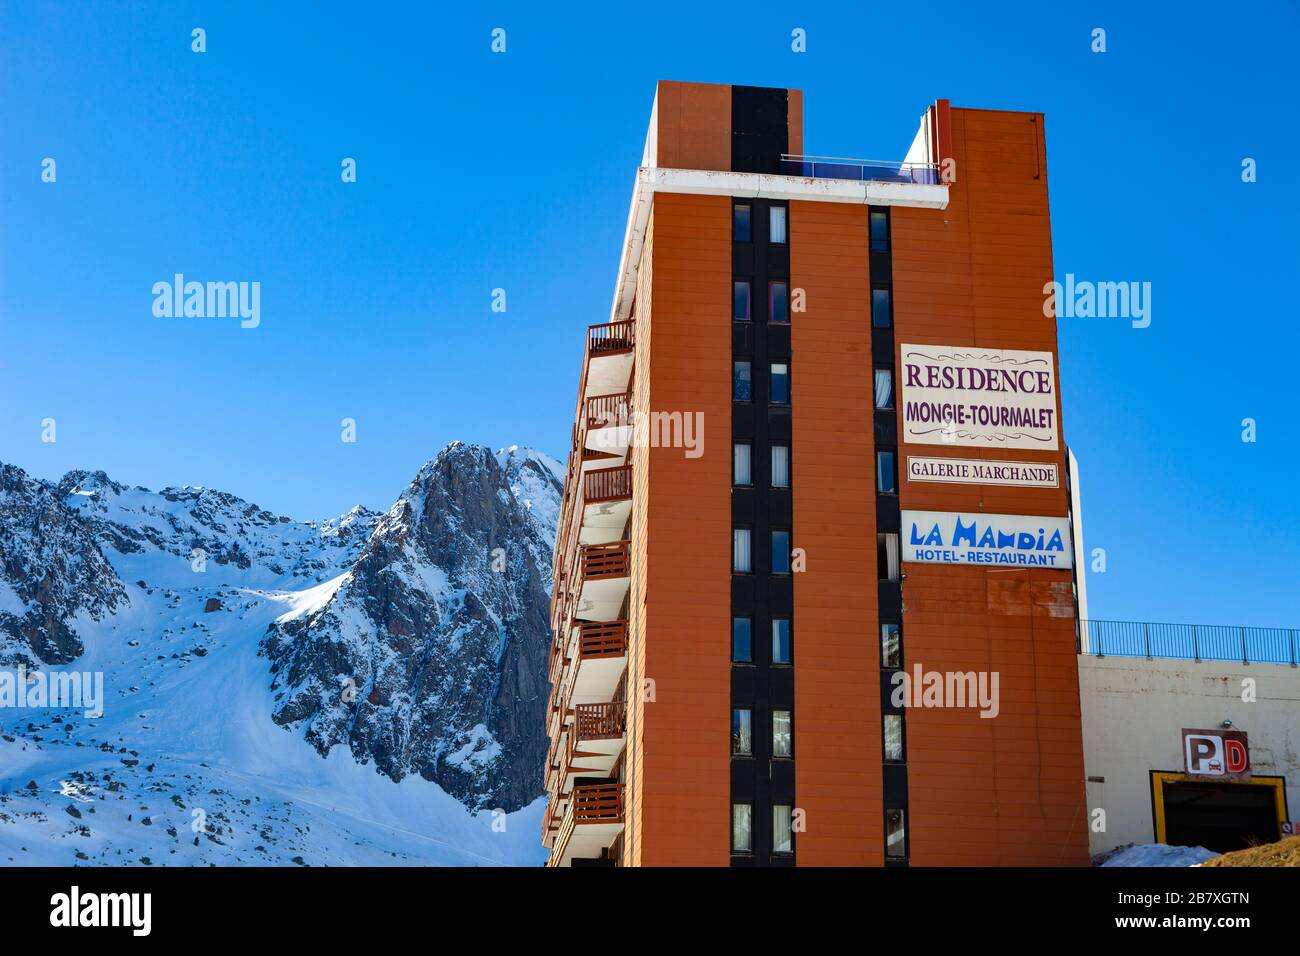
(1222, 754)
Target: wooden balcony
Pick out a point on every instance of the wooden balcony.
(594, 667)
(610, 355)
(597, 639)
(606, 411)
(599, 721)
(607, 484)
(603, 561)
(592, 821)
(611, 337)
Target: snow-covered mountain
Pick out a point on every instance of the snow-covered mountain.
(367, 689)
(428, 656)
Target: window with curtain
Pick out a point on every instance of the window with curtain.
(776, 224)
(741, 387)
(780, 552)
(780, 466)
(740, 551)
(893, 737)
(742, 645)
(740, 222)
(742, 828)
(742, 732)
(880, 317)
(780, 391)
(782, 742)
(891, 646)
(887, 553)
(740, 301)
(886, 483)
(884, 388)
(778, 302)
(782, 839)
(781, 640)
(741, 465)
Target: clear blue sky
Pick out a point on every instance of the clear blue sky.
(478, 171)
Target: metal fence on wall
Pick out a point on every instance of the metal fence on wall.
(1192, 642)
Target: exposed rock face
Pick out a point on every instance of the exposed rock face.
(51, 571)
(417, 639)
(429, 656)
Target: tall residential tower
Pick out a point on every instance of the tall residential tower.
(814, 589)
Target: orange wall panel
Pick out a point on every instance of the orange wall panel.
(685, 791)
(1007, 790)
(694, 125)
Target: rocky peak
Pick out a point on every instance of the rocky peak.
(51, 570)
(430, 656)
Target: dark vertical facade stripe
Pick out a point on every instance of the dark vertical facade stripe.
(762, 780)
(889, 520)
(760, 130)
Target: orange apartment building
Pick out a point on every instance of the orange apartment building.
(816, 447)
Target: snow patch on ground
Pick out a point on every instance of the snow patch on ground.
(1160, 854)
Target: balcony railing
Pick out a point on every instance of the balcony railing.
(598, 803)
(860, 170)
(602, 639)
(606, 484)
(599, 721)
(611, 337)
(604, 561)
(606, 410)
(591, 803)
(1192, 642)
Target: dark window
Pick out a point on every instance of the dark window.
(780, 552)
(879, 229)
(880, 316)
(742, 649)
(740, 301)
(891, 646)
(778, 302)
(895, 835)
(780, 393)
(742, 388)
(885, 481)
(740, 222)
(781, 640)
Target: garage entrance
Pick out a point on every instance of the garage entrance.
(1218, 816)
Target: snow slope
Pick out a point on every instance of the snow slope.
(186, 765)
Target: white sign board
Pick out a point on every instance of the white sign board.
(982, 398)
(977, 471)
(944, 537)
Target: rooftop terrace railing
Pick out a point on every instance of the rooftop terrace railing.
(1190, 642)
(860, 170)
